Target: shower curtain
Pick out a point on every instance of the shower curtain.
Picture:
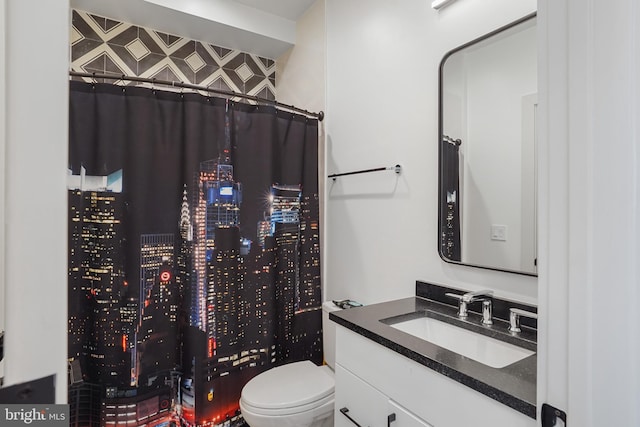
(194, 257)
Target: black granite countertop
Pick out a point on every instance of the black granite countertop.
(513, 385)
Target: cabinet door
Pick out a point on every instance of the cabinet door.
(400, 417)
(358, 403)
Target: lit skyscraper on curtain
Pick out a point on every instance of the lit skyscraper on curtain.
(296, 232)
(285, 205)
(96, 275)
(225, 280)
(308, 295)
(156, 251)
(157, 328)
(217, 212)
(308, 300)
(184, 263)
(223, 197)
(217, 205)
(217, 284)
(264, 230)
(201, 245)
(285, 227)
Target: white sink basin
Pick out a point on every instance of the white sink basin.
(483, 349)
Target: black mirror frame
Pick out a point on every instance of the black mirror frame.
(441, 201)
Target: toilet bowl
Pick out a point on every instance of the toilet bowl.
(299, 394)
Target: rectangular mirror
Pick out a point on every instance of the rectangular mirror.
(487, 193)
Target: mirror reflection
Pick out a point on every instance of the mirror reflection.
(487, 151)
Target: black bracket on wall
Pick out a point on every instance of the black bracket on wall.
(550, 416)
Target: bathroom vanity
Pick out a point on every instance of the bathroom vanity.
(387, 375)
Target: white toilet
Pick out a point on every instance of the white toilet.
(298, 394)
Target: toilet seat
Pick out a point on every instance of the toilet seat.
(289, 389)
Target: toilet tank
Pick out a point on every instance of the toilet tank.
(329, 333)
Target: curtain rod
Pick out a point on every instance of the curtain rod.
(319, 115)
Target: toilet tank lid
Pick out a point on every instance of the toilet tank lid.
(288, 386)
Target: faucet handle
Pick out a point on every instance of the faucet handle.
(451, 295)
(514, 318)
(477, 295)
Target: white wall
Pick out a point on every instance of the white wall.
(35, 274)
(382, 109)
(300, 71)
(589, 328)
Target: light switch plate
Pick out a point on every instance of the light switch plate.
(499, 232)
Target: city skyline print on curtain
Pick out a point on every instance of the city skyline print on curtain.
(194, 257)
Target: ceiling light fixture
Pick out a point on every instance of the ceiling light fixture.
(437, 4)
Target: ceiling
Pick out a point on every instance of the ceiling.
(263, 27)
(289, 9)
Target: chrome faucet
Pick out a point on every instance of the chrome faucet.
(514, 318)
(470, 297)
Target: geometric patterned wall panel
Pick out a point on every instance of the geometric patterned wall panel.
(105, 46)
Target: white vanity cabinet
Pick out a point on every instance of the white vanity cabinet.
(374, 382)
(359, 403)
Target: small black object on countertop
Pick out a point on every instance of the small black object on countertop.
(346, 303)
(513, 385)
